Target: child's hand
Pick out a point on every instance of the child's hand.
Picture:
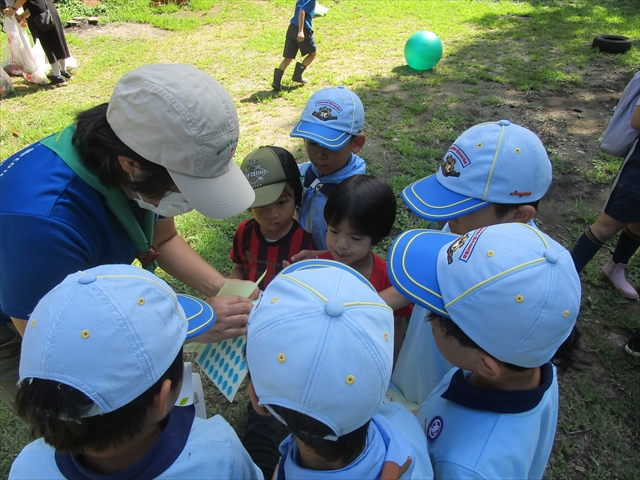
(285, 264)
(301, 36)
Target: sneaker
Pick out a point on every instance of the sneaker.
(633, 345)
(57, 80)
(65, 74)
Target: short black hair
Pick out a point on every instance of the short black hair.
(566, 357)
(55, 412)
(312, 432)
(503, 209)
(366, 202)
(290, 167)
(99, 148)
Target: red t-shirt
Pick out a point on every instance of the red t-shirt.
(256, 254)
(380, 280)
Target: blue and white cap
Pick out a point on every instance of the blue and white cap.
(510, 288)
(320, 342)
(110, 332)
(331, 117)
(494, 162)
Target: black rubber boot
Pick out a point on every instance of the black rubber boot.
(297, 73)
(277, 77)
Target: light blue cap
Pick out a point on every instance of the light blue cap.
(512, 289)
(331, 117)
(110, 332)
(494, 162)
(320, 342)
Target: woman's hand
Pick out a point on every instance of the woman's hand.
(231, 318)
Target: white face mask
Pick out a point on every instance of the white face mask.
(171, 205)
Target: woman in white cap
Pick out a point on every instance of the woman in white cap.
(105, 190)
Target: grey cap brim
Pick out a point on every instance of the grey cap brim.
(217, 197)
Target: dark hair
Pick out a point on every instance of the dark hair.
(312, 432)
(503, 209)
(290, 167)
(566, 357)
(366, 202)
(99, 148)
(45, 403)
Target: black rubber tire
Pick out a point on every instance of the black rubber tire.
(612, 43)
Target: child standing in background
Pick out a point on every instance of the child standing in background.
(359, 213)
(331, 125)
(299, 37)
(272, 235)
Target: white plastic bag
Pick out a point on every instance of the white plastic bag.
(6, 86)
(39, 76)
(8, 65)
(19, 45)
(618, 137)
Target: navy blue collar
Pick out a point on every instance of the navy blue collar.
(161, 456)
(463, 393)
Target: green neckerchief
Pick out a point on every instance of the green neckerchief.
(142, 236)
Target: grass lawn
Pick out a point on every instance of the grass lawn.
(528, 61)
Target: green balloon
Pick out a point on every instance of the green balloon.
(423, 50)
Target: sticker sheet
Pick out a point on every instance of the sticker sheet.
(224, 363)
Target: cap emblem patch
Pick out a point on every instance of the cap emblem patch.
(255, 174)
(324, 114)
(448, 166)
(458, 154)
(468, 250)
(459, 243)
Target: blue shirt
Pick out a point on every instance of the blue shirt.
(475, 433)
(311, 212)
(308, 6)
(52, 223)
(187, 448)
(385, 443)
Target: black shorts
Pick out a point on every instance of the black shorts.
(624, 200)
(291, 44)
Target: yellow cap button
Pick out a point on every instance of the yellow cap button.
(479, 145)
(519, 298)
(566, 313)
(281, 357)
(274, 299)
(33, 323)
(386, 336)
(351, 380)
(141, 301)
(490, 253)
(85, 334)
(517, 150)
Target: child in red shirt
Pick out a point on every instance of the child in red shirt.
(272, 235)
(360, 212)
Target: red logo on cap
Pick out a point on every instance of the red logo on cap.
(466, 253)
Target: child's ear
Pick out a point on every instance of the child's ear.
(523, 214)
(357, 143)
(487, 366)
(164, 399)
(254, 400)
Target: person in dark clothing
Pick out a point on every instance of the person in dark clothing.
(52, 40)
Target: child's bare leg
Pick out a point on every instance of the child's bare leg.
(285, 63)
(309, 58)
